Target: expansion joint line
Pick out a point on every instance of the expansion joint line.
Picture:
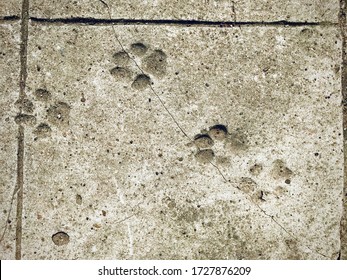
(248, 197)
(20, 151)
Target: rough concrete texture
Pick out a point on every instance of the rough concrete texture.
(116, 174)
(9, 8)
(174, 141)
(9, 65)
(343, 24)
(225, 10)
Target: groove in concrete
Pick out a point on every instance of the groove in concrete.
(20, 151)
(9, 18)
(186, 23)
(20, 183)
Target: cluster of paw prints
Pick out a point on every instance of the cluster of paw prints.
(218, 133)
(56, 113)
(151, 62)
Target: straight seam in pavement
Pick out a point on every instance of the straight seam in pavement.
(20, 151)
(186, 23)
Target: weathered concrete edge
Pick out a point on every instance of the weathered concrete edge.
(343, 26)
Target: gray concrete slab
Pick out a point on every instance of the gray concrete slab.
(9, 84)
(257, 172)
(9, 8)
(214, 10)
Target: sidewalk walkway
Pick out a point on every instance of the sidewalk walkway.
(172, 129)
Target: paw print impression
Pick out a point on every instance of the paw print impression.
(206, 143)
(58, 114)
(43, 112)
(155, 63)
(137, 65)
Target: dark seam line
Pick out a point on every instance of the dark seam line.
(9, 18)
(20, 151)
(188, 23)
(20, 183)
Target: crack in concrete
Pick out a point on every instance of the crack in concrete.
(247, 196)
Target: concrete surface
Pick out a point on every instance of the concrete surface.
(343, 24)
(175, 142)
(10, 8)
(215, 10)
(9, 78)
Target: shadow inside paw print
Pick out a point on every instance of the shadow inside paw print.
(150, 63)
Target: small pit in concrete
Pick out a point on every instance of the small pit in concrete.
(204, 156)
(203, 141)
(60, 238)
(218, 132)
(138, 49)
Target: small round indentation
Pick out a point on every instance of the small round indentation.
(138, 49)
(78, 199)
(203, 141)
(256, 169)
(26, 105)
(58, 114)
(121, 73)
(23, 119)
(42, 131)
(121, 58)
(280, 170)
(155, 63)
(204, 156)
(218, 132)
(141, 82)
(60, 238)
(42, 95)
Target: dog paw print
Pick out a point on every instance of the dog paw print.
(48, 112)
(281, 172)
(205, 141)
(249, 187)
(151, 63)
